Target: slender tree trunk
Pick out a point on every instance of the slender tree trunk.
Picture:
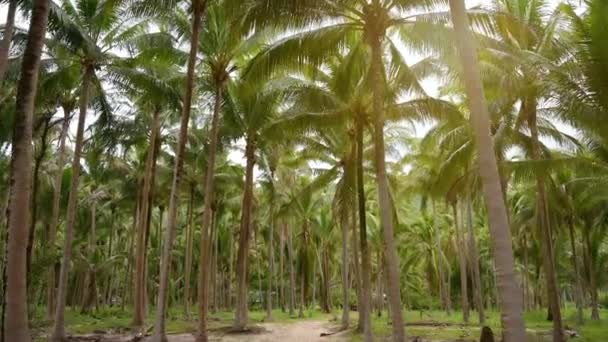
(139, 295)
(242, 272)
(90, 297)
(16, 317)
(578, 292)
(529, 107)
(270, 264)
(59, 327)
(57, 184)
(356, 263)
(442, 282)
(462, 258)
(292, 280)
(281, 284)
(595, 314)
(510, 300)
(366, 265)
(203, 274)
(474, 260)
(159, 335)
(5, 45)
(189, 246)
(34, 196)
(230, 272)
(386, 213)
(345, 280)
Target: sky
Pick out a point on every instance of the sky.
(431, 85)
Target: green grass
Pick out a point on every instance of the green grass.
(116, 320)
(535, 323)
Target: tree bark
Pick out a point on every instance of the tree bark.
(59, 327)
(139, 312)
(16, 317)
(242, 272)
(462, 258)
(281, 284)
(159, 335)
(345, 280)
(366, 265)
(377, 79)
(57, 184)
(509, 290)
(5, 45)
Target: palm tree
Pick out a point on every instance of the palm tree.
(16, 318)
(252, 106)
(509, 290)
(199, 8)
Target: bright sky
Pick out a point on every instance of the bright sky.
(432, 86)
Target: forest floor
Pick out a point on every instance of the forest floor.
(113, 325)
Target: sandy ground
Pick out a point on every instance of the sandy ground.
(306, 331)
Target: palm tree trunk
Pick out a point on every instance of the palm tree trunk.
(203, 272)
(509, 290)
(39, 158)
(529, 107)
(595, 314)
(345, 280)
(159, 335)
(366, 265)
(474, 260)
(189, 246)
(242, 272)
(386, 213)
(57, 182)
(356, 263)
(59, 327)
(462, 258)
(90, 296)
(292, 280)
(16, 317)
(578, 292)
(270, 265)
(5, 45)
(440, 270)
(281, 281)
(139, 314)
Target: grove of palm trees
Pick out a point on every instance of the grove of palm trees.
(312, 170)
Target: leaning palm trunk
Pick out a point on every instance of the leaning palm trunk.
(242, 311)
(366, 265)
(57, 181)
(203, 271)
(384, 201)
(529, 107)
(139, 314)
(159, 335)
(62, 291)
(16, 318)
(5, 45)
(189, 246)
(462, 258)
(509, 290)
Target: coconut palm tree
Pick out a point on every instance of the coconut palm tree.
(509, 290)
(199, 8)
(16, 318)
(7, 38)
